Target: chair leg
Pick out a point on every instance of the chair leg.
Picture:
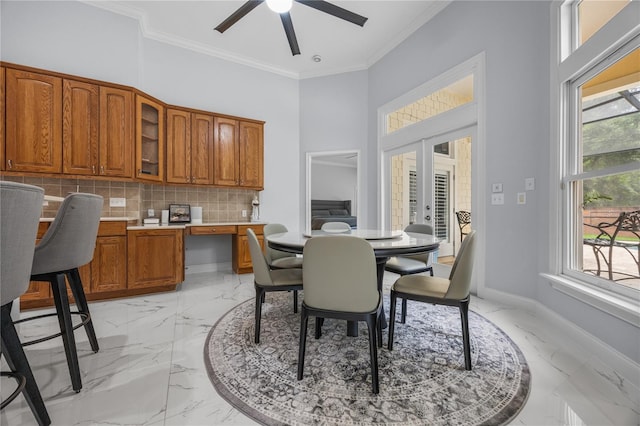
(59, 290)
(318, 327)
(392, 319)
(464, 316)
(379, 329)
(17, 361)
(373, 352)
(81, 302)
(295, 301)
(403, 315)
(302, 346)
(259, 299)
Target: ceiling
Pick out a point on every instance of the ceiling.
(259, 40)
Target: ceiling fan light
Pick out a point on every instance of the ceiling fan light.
(279, 6)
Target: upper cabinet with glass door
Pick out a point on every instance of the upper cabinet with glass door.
(149, 139)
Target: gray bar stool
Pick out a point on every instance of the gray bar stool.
(20, 208)
(68, 244)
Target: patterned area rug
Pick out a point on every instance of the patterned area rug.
(422, 381)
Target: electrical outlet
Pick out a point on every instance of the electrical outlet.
(530, 184)
(117, 202)
(244, 213)
(522, 198)
(497, 199)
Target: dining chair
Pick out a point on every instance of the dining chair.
(267, 280)
(336, 227)
(464, 222)
(340, 282)
(68, 244)
(278, 259)
(20, 210)
(454, 291)
(411, 263)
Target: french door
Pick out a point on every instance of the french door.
(427, 182)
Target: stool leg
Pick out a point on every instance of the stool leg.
(59, 290)
(17, 362)
(81, 302)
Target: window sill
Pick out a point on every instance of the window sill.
(626, 309)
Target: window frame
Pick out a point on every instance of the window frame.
(571, 66)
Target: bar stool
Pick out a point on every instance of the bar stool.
(68, 244)
(20, 208)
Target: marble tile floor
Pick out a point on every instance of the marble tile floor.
(150, 370)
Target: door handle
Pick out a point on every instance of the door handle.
(427, 217)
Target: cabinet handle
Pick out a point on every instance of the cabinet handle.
(101, 170)
(139, 172)
(10, 163)
(93, 169)
(188, 179)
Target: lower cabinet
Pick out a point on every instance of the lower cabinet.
(155, 258)
(241, 256)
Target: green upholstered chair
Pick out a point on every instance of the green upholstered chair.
(267, 279)
(441, 291)
(340, 282)
(278, 259)
(413, 263)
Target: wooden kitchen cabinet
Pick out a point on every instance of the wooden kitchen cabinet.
(226, 142)
(155, 257)
(251, 155)
(241, 255)
(2, 116)
(33, 138)
(80, 119)
(189, 147)
(116, 132)
(238, 153)
(149, 139)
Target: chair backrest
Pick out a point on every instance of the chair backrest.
(270, 229)
(337, 227)
(460, 275)
(71, 239)
(20, 209)
(420, 228)
(260, 267)
(339, 274)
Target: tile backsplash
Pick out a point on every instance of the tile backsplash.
(218, 204)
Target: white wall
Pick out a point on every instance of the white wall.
(334, 182)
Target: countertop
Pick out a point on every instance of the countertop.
(137, 226)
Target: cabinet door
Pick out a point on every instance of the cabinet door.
(178, 146)
(116, 132)
(80, 117)
(149, 139)
(109, 265)
(251, 155)
(34, 122)
(155, 257)
(2, 117)
(202, 148)
(226, 152)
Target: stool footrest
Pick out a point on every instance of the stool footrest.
(86, 317)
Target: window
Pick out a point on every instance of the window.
(601, 151)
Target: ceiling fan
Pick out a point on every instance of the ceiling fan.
(282, 7)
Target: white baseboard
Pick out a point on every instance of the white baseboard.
(207, 267)
(616, 360)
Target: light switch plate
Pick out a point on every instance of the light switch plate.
(530, 184)
(117, 202)
(497, 199)
(496, 187)
(522, 198)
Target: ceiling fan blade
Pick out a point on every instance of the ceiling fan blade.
(336, 11)
(291, 34)
(238, 14)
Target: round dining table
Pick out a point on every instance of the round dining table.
(385, 244)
